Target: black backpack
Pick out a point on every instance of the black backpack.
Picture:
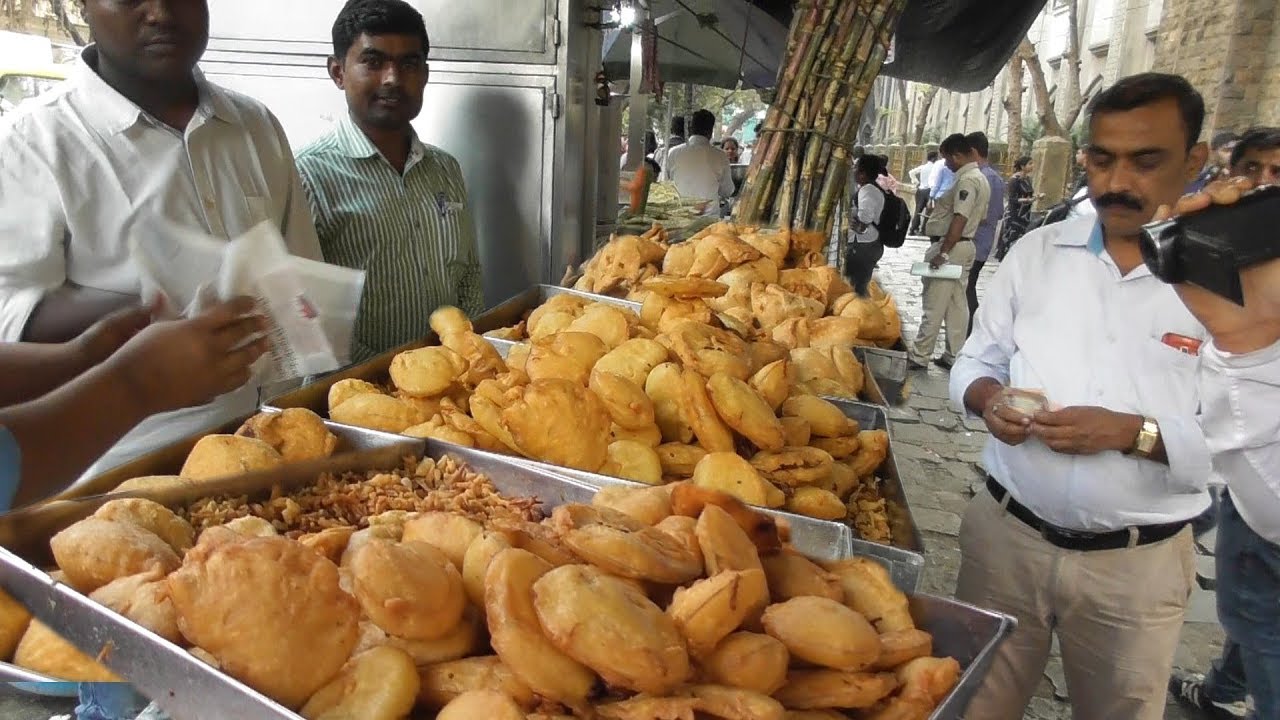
(895, 219)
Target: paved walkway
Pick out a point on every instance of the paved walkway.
(939, 456)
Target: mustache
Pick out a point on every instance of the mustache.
(1118, 199)
(391, 95)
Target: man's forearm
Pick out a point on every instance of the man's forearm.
(67, 312)
(954, 233)
(64, 432)
(33, 369)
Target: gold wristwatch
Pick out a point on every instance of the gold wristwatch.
(1145, 443)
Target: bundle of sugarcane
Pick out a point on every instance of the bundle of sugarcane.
(834, 51)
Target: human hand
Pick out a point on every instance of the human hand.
(1234, 328)
(1004, 422)
(184, 363)
(937, 261)
(1084, 430)
(109, 334)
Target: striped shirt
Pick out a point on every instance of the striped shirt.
(411, 233)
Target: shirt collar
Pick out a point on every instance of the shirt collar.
(353, 143)
(1095, 243)
(118, 113)
(697, 140)
(968, 167)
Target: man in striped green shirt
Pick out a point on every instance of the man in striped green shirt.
(384, 201)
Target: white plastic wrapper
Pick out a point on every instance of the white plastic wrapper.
(310, 307)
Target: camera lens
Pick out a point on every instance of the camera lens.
(1159, 243)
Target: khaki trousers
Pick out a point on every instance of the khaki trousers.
(945, 301)
(1117, 614)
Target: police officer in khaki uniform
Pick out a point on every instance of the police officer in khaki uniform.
(951, 227)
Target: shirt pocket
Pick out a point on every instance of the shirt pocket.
(1163, 361)
(257, 209)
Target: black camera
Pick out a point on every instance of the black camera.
(1210, 247)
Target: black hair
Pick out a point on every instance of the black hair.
(1021, 163)
(376, 17)
(980, 143)
(650, 142)
(956, 144)
(1145, 89)
(703, 123)
(1223, 138)
(677, 126)
(1256, 138)
(873, 166)
(731, 139)
(932, 156)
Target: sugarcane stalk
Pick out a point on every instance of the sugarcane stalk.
(845, 43)
(802, 31)
(782, 211)
(785, 107)
(871, 53)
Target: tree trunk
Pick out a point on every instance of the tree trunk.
(926, 101)
(1013, 106)
(737, 121)
(1072, 102)
(60, 12)
(1040, 89)
(904, 114)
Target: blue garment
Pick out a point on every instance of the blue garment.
(942, 183)
(1225, 683)
(1248, 569)
(109, 701)
(985, 238)
(10, 468)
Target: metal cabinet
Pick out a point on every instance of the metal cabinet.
(510, 96)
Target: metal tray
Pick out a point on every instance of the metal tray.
(901, 523)
(888, 370)
(188, 689)
(315, 396)
(168, 460)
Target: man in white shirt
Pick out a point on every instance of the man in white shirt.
(135, 141)
(1084, 531)
(921, 177)
(1239, 391)
(698, 168)
(957, 215)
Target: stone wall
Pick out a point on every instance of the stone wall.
(1228, 50)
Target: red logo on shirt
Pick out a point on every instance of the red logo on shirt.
(306, 309)
(1182, 343)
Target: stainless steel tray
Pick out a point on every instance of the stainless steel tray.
(168, 460)
(820, 539)
(901, 523)
(888, 370)
(188, 689)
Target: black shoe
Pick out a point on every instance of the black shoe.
(913, 365)
(1188, 689)
(943, 363)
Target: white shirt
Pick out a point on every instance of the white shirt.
(747, 154)
(1239, 395)
(1083, 208)
(83, 169)
(700, 170)
(1059, 318)
(922, 176)
(870, 203)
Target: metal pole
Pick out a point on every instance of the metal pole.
(639, 103)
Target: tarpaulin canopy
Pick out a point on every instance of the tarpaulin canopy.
(956, 44)
(720, 43)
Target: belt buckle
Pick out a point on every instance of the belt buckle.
(1052, 532)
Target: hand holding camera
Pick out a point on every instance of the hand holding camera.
(1220, 246)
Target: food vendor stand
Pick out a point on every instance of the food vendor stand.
(512, 96)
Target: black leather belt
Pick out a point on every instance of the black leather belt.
(938, 238)
(1079, 539)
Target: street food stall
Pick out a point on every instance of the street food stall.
(684, 461)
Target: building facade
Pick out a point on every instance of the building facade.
(1230, 50)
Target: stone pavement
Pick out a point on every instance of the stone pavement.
(939, 457)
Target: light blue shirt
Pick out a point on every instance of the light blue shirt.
(942, 182)
(10, 469)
